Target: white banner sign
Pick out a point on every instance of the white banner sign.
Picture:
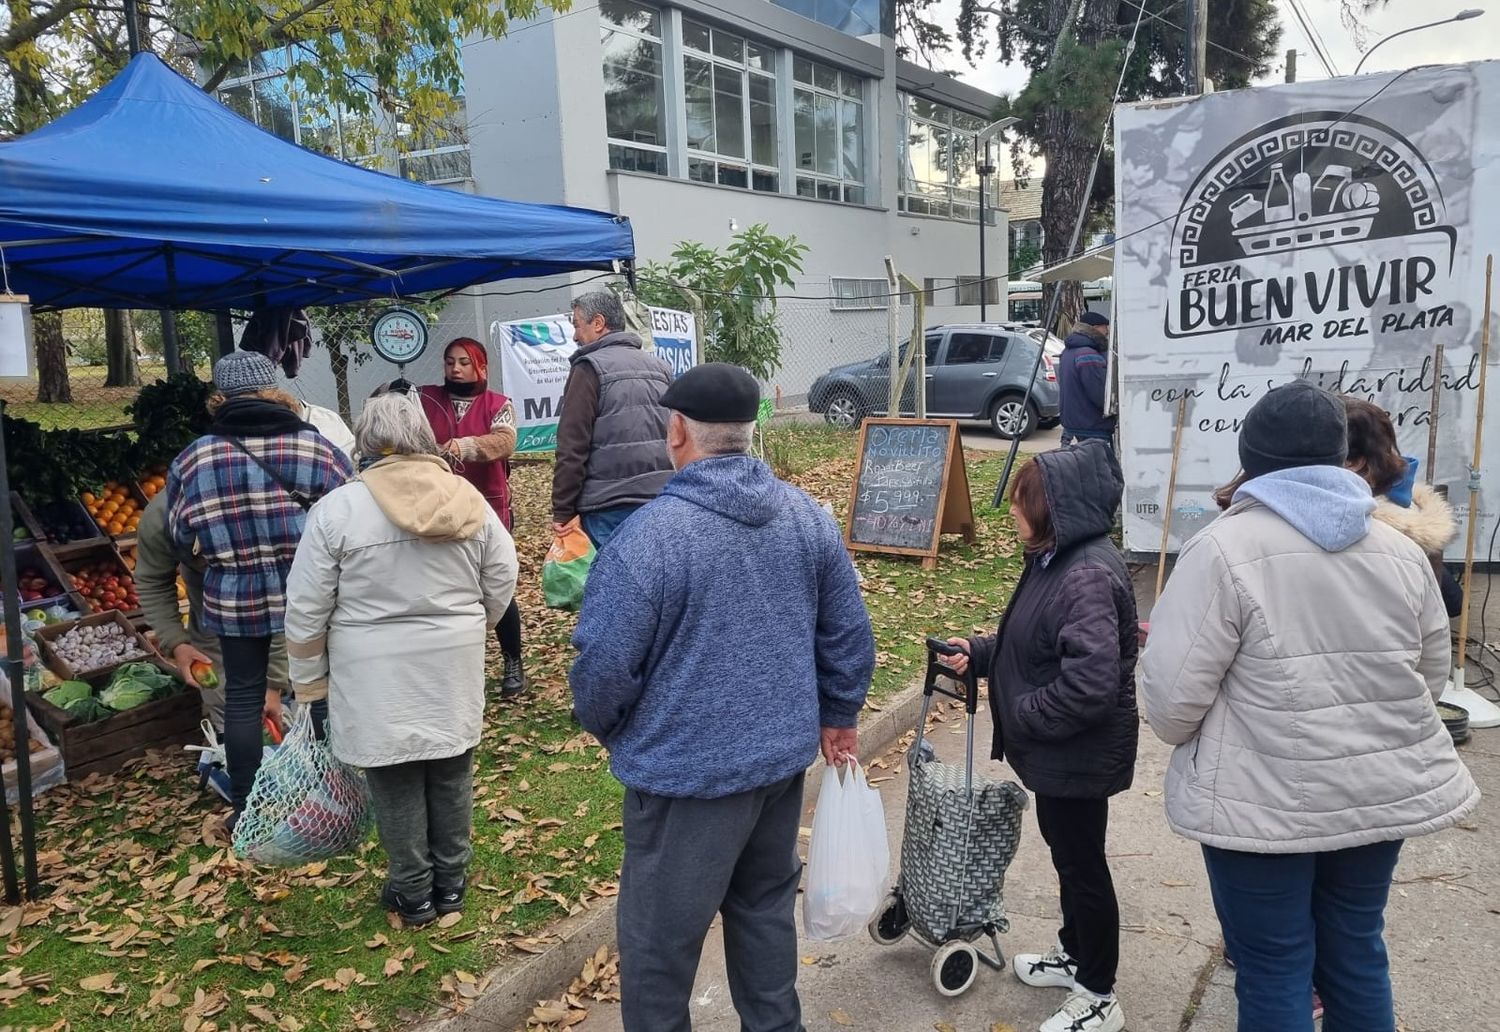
(15, 337)
(534, 366)
(1334, 231)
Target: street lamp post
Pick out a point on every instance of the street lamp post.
(1472, 12)
(986, 169)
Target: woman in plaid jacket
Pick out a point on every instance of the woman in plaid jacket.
(238, 496)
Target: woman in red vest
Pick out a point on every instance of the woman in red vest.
(476, 428)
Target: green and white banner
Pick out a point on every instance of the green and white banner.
(534, 363)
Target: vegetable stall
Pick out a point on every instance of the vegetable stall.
(152, 195)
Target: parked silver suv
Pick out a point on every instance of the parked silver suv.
(975, 372)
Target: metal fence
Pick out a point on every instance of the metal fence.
(824, 325)
(105, 367)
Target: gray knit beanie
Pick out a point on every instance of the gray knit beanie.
(1294, 425)
(244, 372)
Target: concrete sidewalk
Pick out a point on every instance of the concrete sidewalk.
(1170, 939)
(1444, 928)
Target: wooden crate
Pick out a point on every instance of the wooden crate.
(34, 523)
(103, 551)
(22, 516)
(30, 557)
(45, 636)
(103, 746)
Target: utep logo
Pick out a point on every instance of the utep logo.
(1307, 221)
(539, 334)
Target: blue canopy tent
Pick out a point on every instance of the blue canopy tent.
(154, 195)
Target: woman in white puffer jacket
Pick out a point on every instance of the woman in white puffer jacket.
(1294, 660)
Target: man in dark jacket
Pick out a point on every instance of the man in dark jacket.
(723, 639)
(1083, 381)
(612, 433)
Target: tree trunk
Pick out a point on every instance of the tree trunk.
(1070, 140)
(119, 349)
(51, 358)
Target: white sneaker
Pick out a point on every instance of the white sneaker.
(1085, 1012)
(1053, 968)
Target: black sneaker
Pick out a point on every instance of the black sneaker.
(449, 899)
(414, 912)
(513, 680)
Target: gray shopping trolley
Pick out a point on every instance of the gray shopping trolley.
(960, 836)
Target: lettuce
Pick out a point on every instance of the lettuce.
(125, 693)
(69, 692)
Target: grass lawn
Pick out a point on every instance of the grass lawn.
(151, 924)
(94, 405)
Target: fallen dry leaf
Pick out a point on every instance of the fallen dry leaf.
(449, 920)
(393, 967)
(98, 983)
(840, 1017)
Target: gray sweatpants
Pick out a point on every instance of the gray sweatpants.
(687, 860)
(424, 810)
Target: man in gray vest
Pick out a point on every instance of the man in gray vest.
(612, 433)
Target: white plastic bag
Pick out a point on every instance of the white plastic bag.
(848, 858)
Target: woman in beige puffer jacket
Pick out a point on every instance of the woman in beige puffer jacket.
(1293, 660)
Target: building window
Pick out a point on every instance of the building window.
(634, 104)
(261, 92)
(729, 87)
(829, 132)
(939, 161)
(972, 288)
(860, 293)
(959, 290)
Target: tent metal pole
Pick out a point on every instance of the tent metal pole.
(224, 326)
(132, 27)
(11, 592)
(169, 350)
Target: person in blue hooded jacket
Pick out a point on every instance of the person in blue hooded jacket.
(1083, 382)
(722, 640)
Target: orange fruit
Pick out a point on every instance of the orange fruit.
(88, 498)
(116, 528)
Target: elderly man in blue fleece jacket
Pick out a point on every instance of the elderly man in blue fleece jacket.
(722, 628)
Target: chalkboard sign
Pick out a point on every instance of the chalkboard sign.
(909, 489)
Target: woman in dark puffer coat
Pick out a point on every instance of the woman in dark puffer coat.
(1061, 671)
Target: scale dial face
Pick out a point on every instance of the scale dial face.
(399, 335)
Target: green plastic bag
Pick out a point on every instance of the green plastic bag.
(566, 568)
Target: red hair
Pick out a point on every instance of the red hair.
(475, 351)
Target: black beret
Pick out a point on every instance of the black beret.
(1094, 319)
(715, 393)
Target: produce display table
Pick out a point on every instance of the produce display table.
(75, 561)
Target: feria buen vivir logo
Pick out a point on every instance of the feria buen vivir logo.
(1316, 226)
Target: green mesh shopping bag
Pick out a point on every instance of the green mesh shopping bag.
(306, 804)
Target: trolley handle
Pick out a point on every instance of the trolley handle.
(969, 696)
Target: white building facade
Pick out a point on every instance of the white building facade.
(697, 119)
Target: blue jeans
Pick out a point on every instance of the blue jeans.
(1293, 921)
(601, 526)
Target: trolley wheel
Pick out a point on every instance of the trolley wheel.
(891, 921)
(954, 967)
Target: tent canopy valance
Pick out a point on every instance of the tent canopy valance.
(154, 195)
